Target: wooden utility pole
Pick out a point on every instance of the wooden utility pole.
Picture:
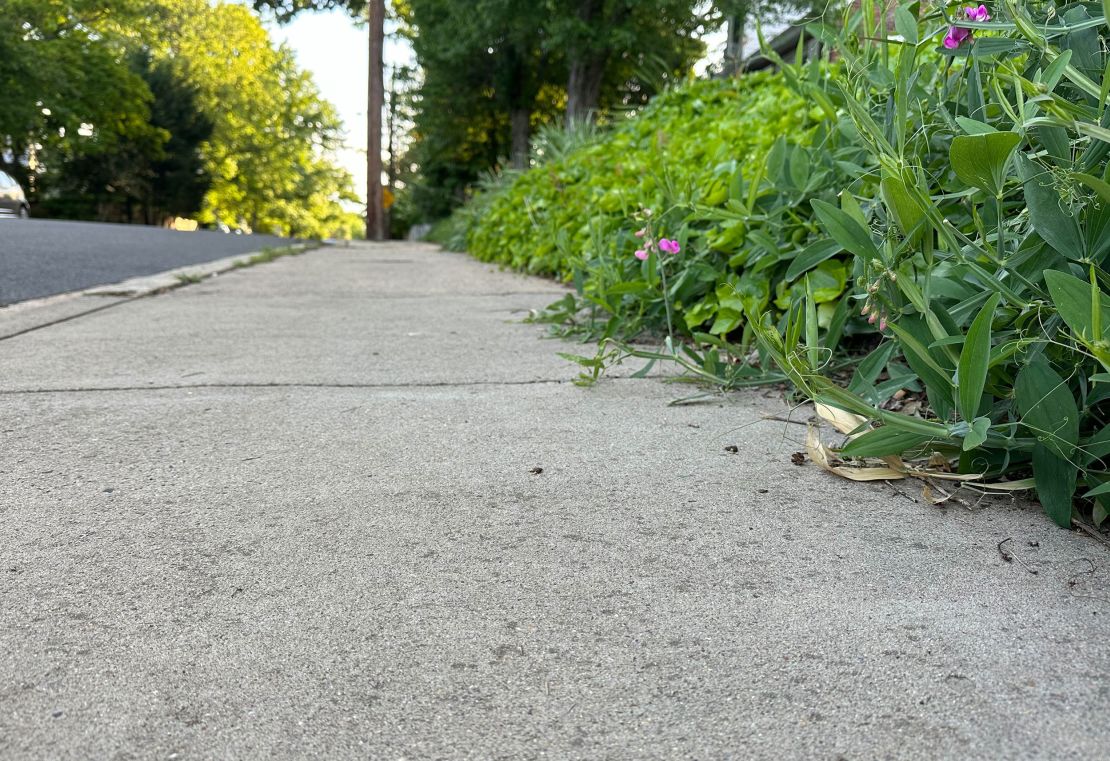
(391, 171)
(375, 211)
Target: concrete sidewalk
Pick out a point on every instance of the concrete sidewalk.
(290, 513)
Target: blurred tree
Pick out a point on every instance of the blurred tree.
(493, 70)
(145, 109)
(374, 12)
(66, 89)
(620, 52)
(179, 177)
(154, 176)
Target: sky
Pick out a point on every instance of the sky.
(334, 49)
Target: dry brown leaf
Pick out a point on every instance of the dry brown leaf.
(1023, 485)
(937, 461)
(895, 462)
(945, 476)
(939, 497)
(821, 455)
(843, 421)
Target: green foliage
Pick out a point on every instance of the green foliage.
(147, 180)
(268, 158)
(495, 71)
(995, 292)
(142, 110)
(708, 159)
(58, 72)
(959, 199)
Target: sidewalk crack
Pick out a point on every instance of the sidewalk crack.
(276, 385)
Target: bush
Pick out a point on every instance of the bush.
(933, 230)
(979, 235)
(695, 156)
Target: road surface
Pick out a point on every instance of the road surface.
(42, 257)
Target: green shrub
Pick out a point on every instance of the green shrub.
(935, 226)
(690, 157)
(980, 239)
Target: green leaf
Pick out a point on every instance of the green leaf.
(1098, 490)
(977, 433)
(827, 281)
(1055, 71)
(908, 215)
(905, 23)
(1072, 299)
(1096, 447)
(812, 346)
(971, 372)
(935, 378)
(727, 321)
(850, 206)
(845, 230)
(1055, 478)
(883, 441)
(867, 370)
(1047, 407)
(989, 46)
(974, 126)
(811, 256)
(836, 323)
(1051, 220)
(980, 160)
(1101, 187)
(1093, 130)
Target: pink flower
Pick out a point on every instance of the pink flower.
(668, 246)
(958, 35)
(955, 37)
(641, 232)
(641, 254)
(977, 14)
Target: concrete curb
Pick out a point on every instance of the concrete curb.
(148, 285)
(33, 314)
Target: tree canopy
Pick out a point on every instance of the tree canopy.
(141, 110)
(495, 70)
(492, 71)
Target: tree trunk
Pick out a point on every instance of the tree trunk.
(734, 44)
(584, 88)
(521, 126)
(587, 68)
(375, 213)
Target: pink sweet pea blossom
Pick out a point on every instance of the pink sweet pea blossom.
(958, 35)
(977, 14)
(955, 37)
(641, 254)
(668, 246)
(641, 232)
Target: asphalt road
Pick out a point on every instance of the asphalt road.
(42, 257)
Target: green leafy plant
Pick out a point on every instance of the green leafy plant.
(985, 229)
(924, 256)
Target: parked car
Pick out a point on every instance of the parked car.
(12, 201)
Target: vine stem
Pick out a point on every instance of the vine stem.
(1001, 238)
(666, 299)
